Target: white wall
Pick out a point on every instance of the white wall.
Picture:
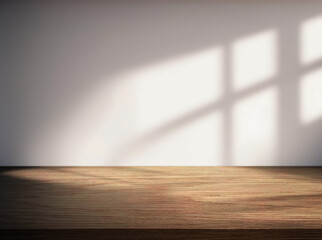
(171, 82)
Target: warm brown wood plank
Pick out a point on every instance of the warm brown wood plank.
(161, 197)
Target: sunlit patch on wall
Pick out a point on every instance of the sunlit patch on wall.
(197, 143)
(311, 96)
(255, 129)
(311, 40)
(254, 59)
(174, 88)
(102, 123)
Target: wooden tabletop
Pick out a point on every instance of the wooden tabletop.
(160, 197)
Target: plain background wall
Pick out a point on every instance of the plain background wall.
(191, 82)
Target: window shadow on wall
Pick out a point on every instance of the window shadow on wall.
(132, 83)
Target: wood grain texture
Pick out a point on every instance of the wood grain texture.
(161, 198)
